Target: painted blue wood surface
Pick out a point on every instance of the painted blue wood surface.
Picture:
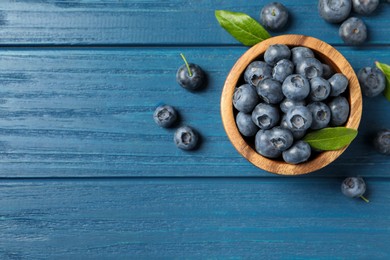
(86, 174)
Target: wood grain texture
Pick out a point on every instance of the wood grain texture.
(79, 112)
(192, 218)
(153, 22)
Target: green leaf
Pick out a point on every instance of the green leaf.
(331, 138)
(386, 70)
(242, 27)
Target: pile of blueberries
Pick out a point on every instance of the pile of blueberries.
(286, 95)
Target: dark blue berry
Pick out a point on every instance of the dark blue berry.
(264, 146)
(327, 71)
(275, 53)
(197, 79)
(353, 31)
(282, 69)
(186, 138)
(365, 7)
(245, 124)
(320, 89)
(339, 108)
(353, 187)
(297, 134)
(265, 116)
(245, 98)
(310, 68)
(321, 115)
(372, 81)
(299, 152)
(274, 16)
(299, 118)
(286, 104)
(257, 71)
(296, 87)
(165, 116)
(338, 83)
(382, 141)
(300, 53)
(334, 11)
(270, 91)
(281, 138)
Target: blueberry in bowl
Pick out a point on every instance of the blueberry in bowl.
(294, 97)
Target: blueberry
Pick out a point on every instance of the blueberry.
(353, 31)
(364, 7)
(265, 116)
(286, 104)
(270, 91)
(300, 53)
(257, 71)
(339, 108)
(245, 98)
(263, 144)
(338, 83)
(282, 69)
(334, 11)
(297, 134)
(299, 118)
(382, 141)
(353, 187)
(186, 138)
(195, 81)
(372, 81)
(320, 89)
(321, 115)
(275, 53)
(327, 71)
(165, 116)
(310, 68)
(245, 124)
(296, 87)
(299, 152)
(281, 138)
(274, 16)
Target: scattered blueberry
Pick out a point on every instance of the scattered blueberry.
(339, 108)
(338, 83)
(300, 53)
(321, 115)
(263, 144)
(165, 116)
(310, 68)
(354, 187)
(382, 141)
(274, 16)
(286, 104)
(299, 118)
(297, 134)
(327, 71)
(296, 87)
(270, 91)
(245, 124)
(281, 138)
(334, 11)
(364, 7)
(353, 31)
(275, 53)
(299, 152)
(245, 98)
(372, 81)
(186, 138)
(320, 89)
(265, 116)
(190, 76)
(282, 70)
(257, 71)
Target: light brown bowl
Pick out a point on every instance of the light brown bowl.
(324, 52)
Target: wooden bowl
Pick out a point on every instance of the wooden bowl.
(325, 53)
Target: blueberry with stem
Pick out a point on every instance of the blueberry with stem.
(354, 187)
(190, 76)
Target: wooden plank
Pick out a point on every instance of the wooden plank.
(88, 112)
(192, 218)
(153, 22)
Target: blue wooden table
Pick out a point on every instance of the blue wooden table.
(85, 173)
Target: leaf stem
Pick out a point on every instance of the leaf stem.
(364, 198)
(187, 65)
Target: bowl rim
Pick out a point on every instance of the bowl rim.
(338, 62)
